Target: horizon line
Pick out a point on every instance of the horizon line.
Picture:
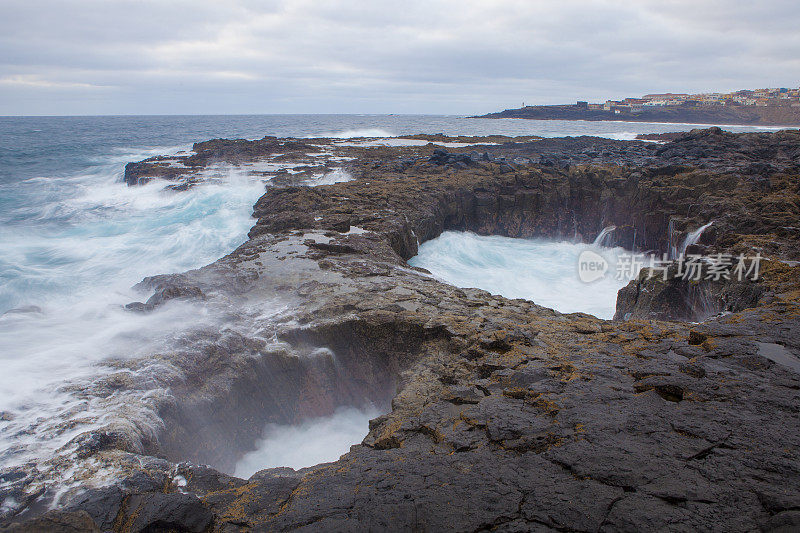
(237, 115)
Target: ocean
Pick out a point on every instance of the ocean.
(75, 239)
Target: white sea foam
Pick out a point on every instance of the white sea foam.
(357, 133)
(544, 272)
(69, 270)
(312, 442)
(394, 141)
(623, 136)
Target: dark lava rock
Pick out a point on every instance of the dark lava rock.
(165, 293)
(499, 414)
(56, 522)
(443, 157)
(165, 512)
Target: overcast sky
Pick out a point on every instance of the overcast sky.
(462, 56)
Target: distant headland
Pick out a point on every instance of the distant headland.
(766, 107)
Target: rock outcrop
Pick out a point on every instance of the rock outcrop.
(499, 414)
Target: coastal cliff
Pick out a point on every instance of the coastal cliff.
(499, 414)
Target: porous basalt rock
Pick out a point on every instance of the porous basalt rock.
(500, 414)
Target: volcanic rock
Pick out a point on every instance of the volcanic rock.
(499, 414)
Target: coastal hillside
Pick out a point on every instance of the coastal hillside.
(759, 107)
(750, 115)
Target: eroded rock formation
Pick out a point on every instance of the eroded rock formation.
(500, 414)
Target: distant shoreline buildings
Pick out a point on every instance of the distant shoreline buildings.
(767, 107)
(758, 97)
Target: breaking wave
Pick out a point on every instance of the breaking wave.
(73, 248)
(366, 132)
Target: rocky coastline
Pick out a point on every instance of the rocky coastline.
(500, 415)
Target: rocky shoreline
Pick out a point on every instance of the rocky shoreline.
(500, 414)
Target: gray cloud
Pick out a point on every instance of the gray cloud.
(468, 56)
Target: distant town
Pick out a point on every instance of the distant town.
(759, 97)
(767, 107)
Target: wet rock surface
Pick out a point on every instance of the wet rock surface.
(500, 414)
